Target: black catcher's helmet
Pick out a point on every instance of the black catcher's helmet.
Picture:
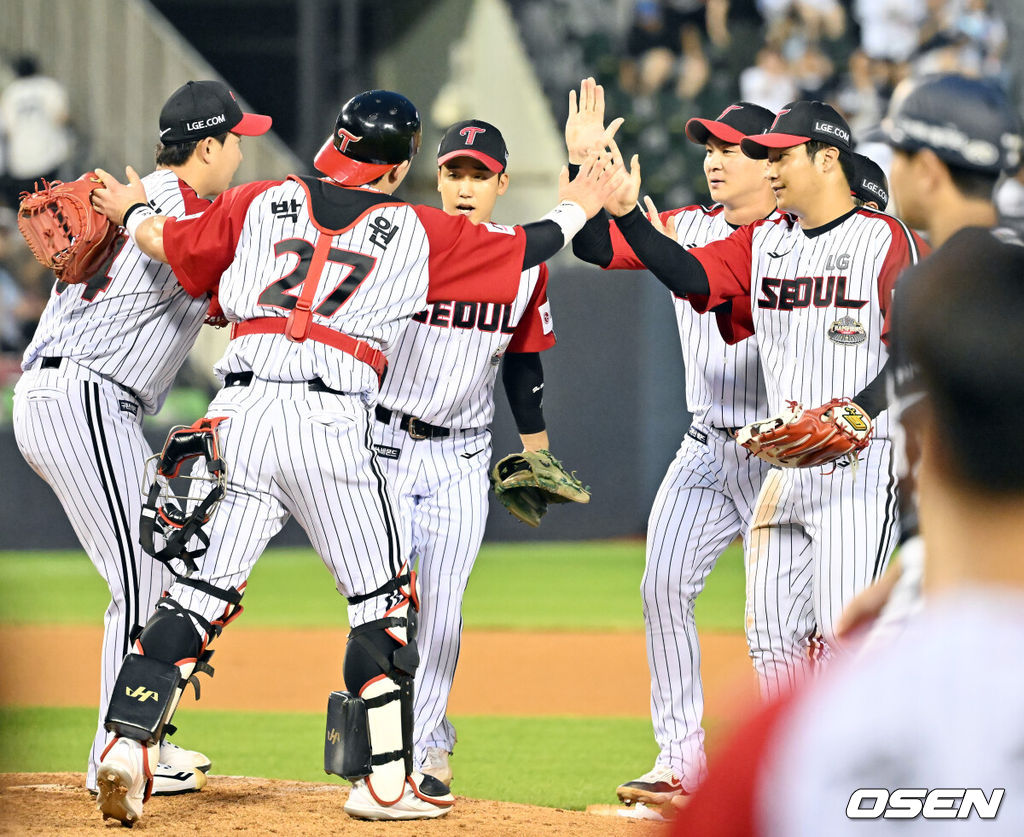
(375, 130)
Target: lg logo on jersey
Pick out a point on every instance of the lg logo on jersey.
(805, 291)
(911, 803)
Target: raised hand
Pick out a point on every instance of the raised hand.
(599, 178)
(584, 128)
(625, 197)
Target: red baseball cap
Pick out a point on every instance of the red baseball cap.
(732, 125)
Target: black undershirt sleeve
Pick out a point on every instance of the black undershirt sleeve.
(593, 244)
(676, 269)
(523, 377)
(543, 240)
(874, 398)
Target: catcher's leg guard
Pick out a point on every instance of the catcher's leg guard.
(369, 727)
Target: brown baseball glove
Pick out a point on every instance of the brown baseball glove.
(527, 482)
(63, 230)
(799, 438)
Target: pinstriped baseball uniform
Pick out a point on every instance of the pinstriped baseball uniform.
(121, 338)
(442, 371)
(705, 501)
(818, 303)
(291, 449)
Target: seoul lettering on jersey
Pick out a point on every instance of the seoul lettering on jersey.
(482, 316)
(805, 291)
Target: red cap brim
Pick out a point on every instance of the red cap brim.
(757, 145)
(486, 159)
(698, 131)
(344, 169)
(252, 125)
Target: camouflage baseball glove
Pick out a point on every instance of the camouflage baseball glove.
(799, 438)
(526, 482)
(63, 230)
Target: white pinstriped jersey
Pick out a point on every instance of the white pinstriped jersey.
(818, 300)
(444, 366)
(131, 323)
(724, 383)
(383, 260)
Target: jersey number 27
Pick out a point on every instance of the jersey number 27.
(276, 293)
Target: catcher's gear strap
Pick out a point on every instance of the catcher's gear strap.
(523, 377)
(347, 751)
(184, 444)
(144, 693)
(388, 587)
(359, 349)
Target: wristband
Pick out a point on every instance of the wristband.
(135, 215)
(570, 218)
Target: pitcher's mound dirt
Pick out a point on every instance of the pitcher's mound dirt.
(57, 804)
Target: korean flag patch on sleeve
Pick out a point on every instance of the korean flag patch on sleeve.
(546, 323)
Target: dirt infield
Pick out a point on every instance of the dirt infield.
(500, 673)
(56, 805)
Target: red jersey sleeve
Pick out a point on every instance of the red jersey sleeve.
(535, 332)
(727, 265)
(200, 247)
(906, 248)
(471, 262)
(735, 320)
(725, 805)
(623, 257)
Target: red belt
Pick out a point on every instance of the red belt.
(359, 349)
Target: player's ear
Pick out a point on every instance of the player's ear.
(503, 183)
(440, 171)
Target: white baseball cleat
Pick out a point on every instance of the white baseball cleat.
(182, 759)
(121, 781)
(436, 764)
(424, 798)
(170, 781)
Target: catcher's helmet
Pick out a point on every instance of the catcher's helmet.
(375, 131)
(969, 123)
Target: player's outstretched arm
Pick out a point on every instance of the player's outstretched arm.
(126, 204)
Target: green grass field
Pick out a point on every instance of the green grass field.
(556, 761)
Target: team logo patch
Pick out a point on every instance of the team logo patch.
(128, 406)
(846, 331)
(387, 452)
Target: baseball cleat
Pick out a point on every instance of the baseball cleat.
(170, 781)
(436, 764)
(424, 798)
(182, 759)
(654, 788)
(121, 782)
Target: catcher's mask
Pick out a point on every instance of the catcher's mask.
(176, 507)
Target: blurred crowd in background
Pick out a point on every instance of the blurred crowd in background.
(660, 61)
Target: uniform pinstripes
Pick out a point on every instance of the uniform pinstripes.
(74, 431)
(139, 329)
(289, 451)
(703, 504)
(441, 487)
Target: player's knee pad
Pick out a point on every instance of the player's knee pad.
(370, 727)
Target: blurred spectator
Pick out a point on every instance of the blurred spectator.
(769, 82)
(23, 287)
(1009, 199)
(813, 73)
(34, 114)
(890, 33)
(665, 41)
(857, 97)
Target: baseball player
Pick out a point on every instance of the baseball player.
(104, 355)
(869, 187)
(952, 138)
(432, 432)
(319, 276)
(707, 496)
(815, 286)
